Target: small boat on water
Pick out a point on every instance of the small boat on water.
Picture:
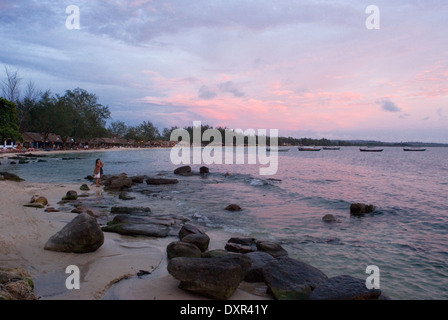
(306, 148)
(278, 150)
(413, 149)
(331, 148)
(370, 149)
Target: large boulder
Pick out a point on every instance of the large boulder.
(273, 248)
(118, 183)
(291, 279)
(344, 287)
(182, 249)
(131, 210)
(258, 260)
(137, 229)
(360, 209)
(81, 235)
(216, 278)
(241, 245)
(189, 228)
(199, 240)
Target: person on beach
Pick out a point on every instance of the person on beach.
(98, 171)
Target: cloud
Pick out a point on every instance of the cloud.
(388, 105)
(206, 94)
(230, 88)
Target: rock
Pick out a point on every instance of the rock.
(125, 196)
(81, 235)
(185, 170)
(78, 210)
(70, 196)
(241, 245)
(137, 179)
(182, 249)
(189, 228)
(273, 248)
(344, 287)
(215, 253)
(359, 209)
(199, 240)
(117, 183)
(204, 170)
(328, 218)
(131, 210)
(216, 278)
(84, 187)
(233, 207)
(39, 199)
(167, 221)
(141, 225)
(159, 181)
(34, 205)
(51, 209)
(147, 230)
(11, 177)
(16, 284)
(291, 279)
(258, 261)
(2, 178)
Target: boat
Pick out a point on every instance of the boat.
(413, 149)
(370, 149)
(331, 148)
(278, 150)
(306, 148)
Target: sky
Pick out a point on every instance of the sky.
(322, 69)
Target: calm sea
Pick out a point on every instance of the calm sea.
(406, 236)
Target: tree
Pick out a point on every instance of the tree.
(45, 117)
(26, 104)
(148, 131)
(118, 128)
(166, 134)
(9, 121)
(11, 85)
(89, 117)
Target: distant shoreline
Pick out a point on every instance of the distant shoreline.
(47, 152)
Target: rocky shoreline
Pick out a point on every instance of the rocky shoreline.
(213, 274)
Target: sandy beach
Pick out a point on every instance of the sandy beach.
(24, 231)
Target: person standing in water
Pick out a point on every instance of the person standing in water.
(98, 171)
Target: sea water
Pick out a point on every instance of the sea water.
(406, 236)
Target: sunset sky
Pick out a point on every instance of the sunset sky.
(307, 68)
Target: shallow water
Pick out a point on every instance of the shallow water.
(406, 236)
